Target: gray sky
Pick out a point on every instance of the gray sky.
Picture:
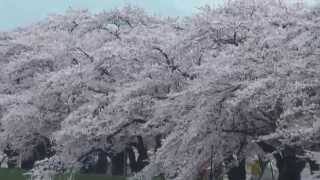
(14, 13)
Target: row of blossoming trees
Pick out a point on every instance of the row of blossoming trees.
(125, 93)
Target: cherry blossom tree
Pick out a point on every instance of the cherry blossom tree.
(125, 93)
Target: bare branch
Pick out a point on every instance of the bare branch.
(91, 58)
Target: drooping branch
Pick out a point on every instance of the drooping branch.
(126, 21)
(91, 58)
(172, 66)
(93, 150)
(249, 132)
(125, 125)
(199, 60)
(165, 55)
(74, 26)
(99, 91)
(115, 33)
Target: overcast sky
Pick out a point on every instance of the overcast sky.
(14, 13)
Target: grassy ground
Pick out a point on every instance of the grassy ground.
(91, 177)
(12, 174)
(17, 174)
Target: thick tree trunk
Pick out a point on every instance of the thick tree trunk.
(98, 166)
(238, 172)
(137, 164)
(289, 165)
(41, 151)
(158, 142)
(143, 154)
(118, 164)
(132, 159)
(11, 153)
(102, 163)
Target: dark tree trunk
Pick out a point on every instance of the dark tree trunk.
(158, 142)
(11, 153)
(41, 151)
(238, 172)
(132, 159)
(289, 165)
(102, 164)
(314, 166)
(90, 165)
(137, 164)
(27, 164)
(118, 164)
(143, 154)
(267, 148)
(12, 163)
